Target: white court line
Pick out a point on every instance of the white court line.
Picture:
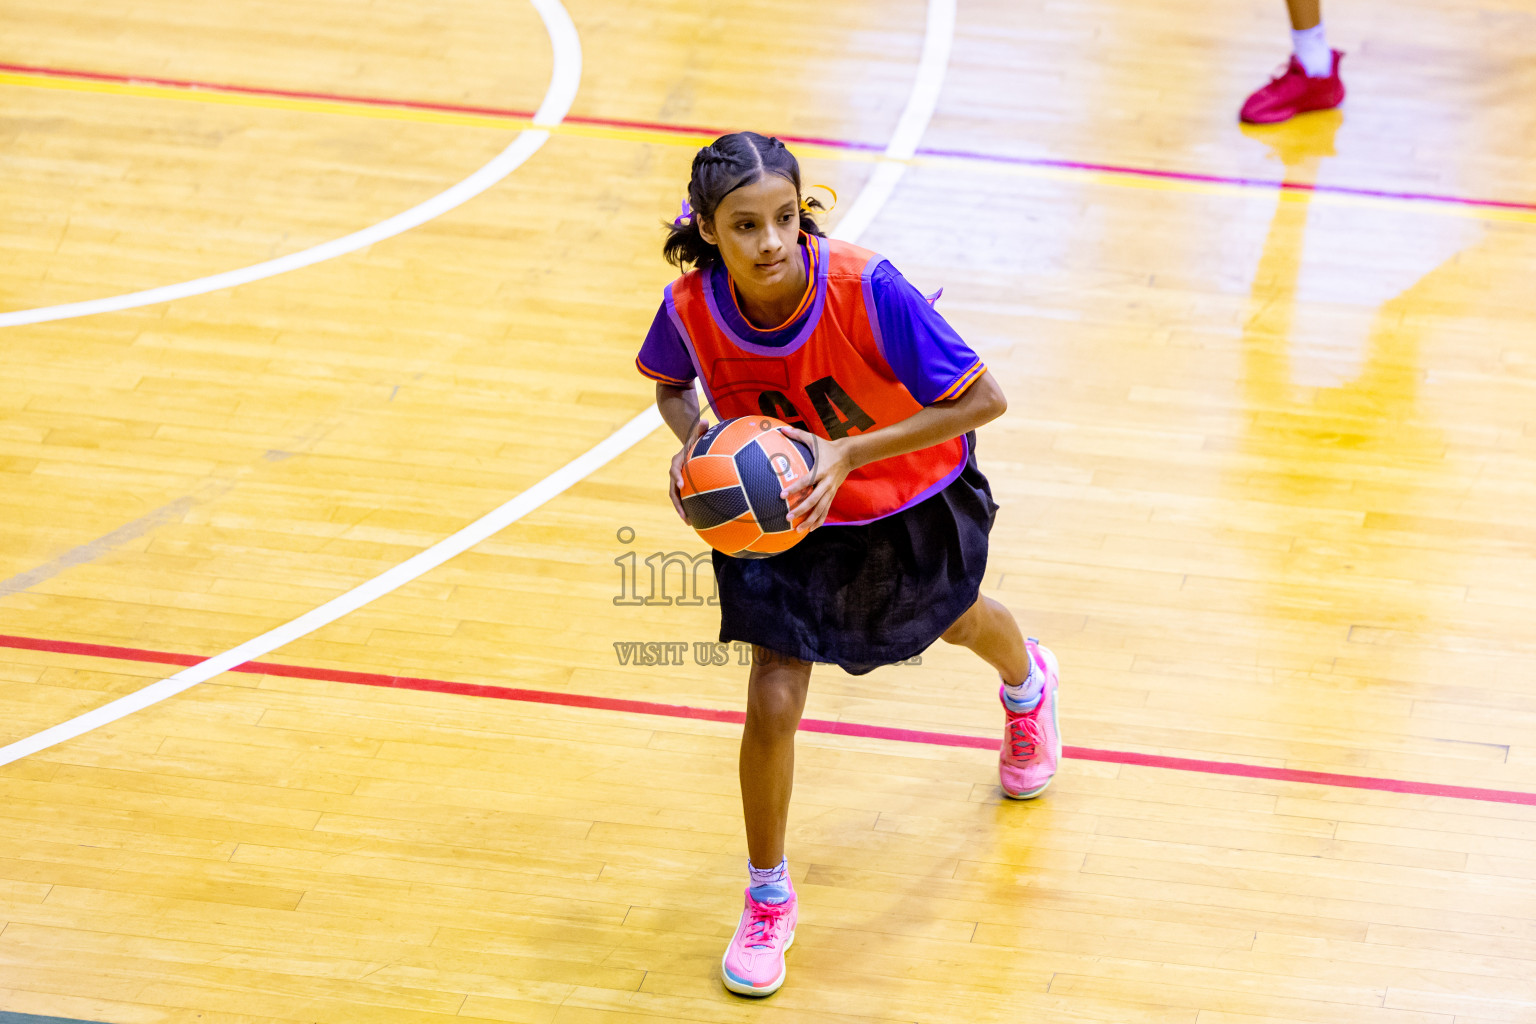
(937, 40)
(914, 120)
(563, 80)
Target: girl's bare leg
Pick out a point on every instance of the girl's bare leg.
(989, 629)
(776, 692)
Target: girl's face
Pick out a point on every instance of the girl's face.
(757, 228)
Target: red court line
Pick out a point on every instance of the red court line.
(879, 732)
(379, 101)
(1148, 173)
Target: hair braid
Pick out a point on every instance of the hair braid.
(719, 169)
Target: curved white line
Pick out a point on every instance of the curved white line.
(352, 600)
(563, 80)
(937, 41)
(914, 119)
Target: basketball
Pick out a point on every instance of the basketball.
(731, 485)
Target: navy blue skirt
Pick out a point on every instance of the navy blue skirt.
(865, 596)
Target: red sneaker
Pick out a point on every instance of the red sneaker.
(1293, 92)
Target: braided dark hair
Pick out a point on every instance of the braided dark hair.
(719, 169)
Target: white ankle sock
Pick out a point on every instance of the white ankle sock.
(1311, 47)
(1026, 695)
(769, 885)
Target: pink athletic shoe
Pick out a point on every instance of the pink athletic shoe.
(1292, 92)
(753, 964)
(1032, 739)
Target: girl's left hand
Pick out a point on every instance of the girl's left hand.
(810, 498)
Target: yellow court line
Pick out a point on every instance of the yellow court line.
(689, 139)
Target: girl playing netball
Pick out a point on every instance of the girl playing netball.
(775, 319)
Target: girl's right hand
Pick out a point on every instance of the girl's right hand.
(675, 477)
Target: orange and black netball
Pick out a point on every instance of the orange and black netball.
(731, 485)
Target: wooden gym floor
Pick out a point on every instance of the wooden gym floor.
(1267, 479)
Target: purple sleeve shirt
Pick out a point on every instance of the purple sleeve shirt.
(663, 357)
(929, 358)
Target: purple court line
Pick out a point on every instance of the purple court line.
(878, 732)
(1219, 179)
(1127, 170)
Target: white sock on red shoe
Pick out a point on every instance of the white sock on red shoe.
(1312, 52)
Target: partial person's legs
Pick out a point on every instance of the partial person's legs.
(1308, 42)
(776, 692)
(1031, 746)
(753, 964)
(1311, 79)
(990, 630)
(1305, 14)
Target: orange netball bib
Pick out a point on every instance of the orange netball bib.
(831, 378)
